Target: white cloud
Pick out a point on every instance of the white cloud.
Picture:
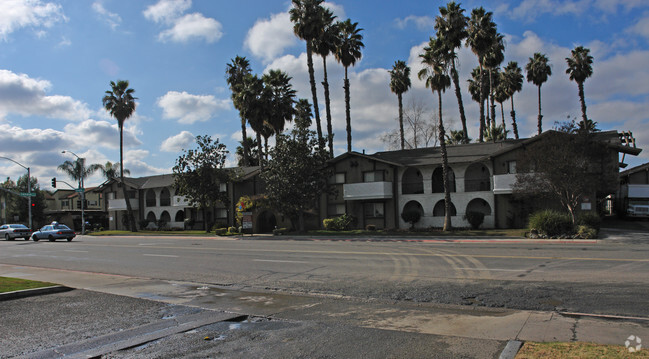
(93, 133)
(188, 108)
(135, 161)
(641, 27)
(16, 14)
(178, 142)
(423, 23)
(112, 19)
(26, 96)
(268, 38)
(167, 10)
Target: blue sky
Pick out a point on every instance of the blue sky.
(57, 58)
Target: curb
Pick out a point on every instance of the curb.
(33, 292)
(511, 349)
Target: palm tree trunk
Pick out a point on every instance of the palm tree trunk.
(513, 113)
(261, 150)
(482, 124)
(582, 100)
(502, 114)
(325, 84)
(491, 95)
(244, 143)
(400, 97)
(314, 93)
(447, 194)
(266, 148)
(129, 209)
(348, 117)
(458, 94)
(540, 120)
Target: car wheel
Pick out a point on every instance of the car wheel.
(7, 237)
(69, 239)
(51, 239)
(34, 238)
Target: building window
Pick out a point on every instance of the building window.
(92, 203)
(165, 198)
(373, 176)
(150, 200)
(338, 178)
(511, 167)
(221, 213)
(374, 210)
(223, 187)
(65, 203)
(336, 209)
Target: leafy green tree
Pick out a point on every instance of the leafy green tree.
(324, 45)
(435, 74)
(350, 43)
(17, 206)
(580, 68)
(451, 26)
(199, 172)
(120, 103)
(236, 72)
(513, 82)
(307, 17)
(538, 70)
(400, 83)
(296, 175)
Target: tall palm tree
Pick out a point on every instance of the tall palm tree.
(435, 74)
(281, 96)
(253, 107)
(494, 57)
(350, 43)
(77, 169)
(580, 68)
(451, 27)
(324, 45)
(478, 87)
(112, 170)
(307, 19)
(400, 83)
(513, 80)
(538, 70)
(481, 34)
(119, 101)
(236, 71)
(502, 95)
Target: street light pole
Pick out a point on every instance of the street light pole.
(83, 191)
(29, 190)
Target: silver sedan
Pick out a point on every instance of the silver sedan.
(13, 231)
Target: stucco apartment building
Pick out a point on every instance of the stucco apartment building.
(634, 189)
(64, 206)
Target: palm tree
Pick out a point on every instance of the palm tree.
(253, 155)
(400, 83)
(481, 34)
(435, 74)
(112, 170)
(250, 99)
(502, 94)
(456, 137)
(580, 68)
(280, 92)
(307, 19)
(77, 169)
(538, 70)
(119, 101)
(236, 71)
(494, 57)
(350, 43)
(495, 133)
(478, 87)
(324, 45)
(451, 26)
(513, 80)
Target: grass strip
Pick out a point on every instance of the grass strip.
(577, 350)
(12, 284)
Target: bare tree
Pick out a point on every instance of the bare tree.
(420, 127)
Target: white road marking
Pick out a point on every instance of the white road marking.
(276, 261)
(499, 270)
(147, 244)
(75, 251)
(161, 255)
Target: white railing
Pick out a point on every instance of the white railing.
(180, 201)
(504, 184)
(638, 191)
(367, 190)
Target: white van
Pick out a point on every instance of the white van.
(638, 210)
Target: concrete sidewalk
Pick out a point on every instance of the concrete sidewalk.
(426, 318)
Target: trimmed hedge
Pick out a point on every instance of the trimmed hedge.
(475, 219)
(339, 223)
(551, 223)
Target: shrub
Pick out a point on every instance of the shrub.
(339, 223)
(370, 227)
(233, 230)
(589, 219)
(586, 232)
(161, 224)
(551, 223)
(220, 231)
(143, 223)
(474, 218)
(411, 216)
(189, 222)
(279, 231)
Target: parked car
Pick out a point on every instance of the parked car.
(13, 231)
(53, 232)
(636, 210)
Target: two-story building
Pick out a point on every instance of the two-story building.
(64, 206)
(634, 191)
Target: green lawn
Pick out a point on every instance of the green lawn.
(12, 284)
(577, 350)
(150, 233)
(520, 233)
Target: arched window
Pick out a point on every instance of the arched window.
(479, 205)
(477, 178)
(150, 198)
(165, 198)
(440, 210)
(413, 206)
(180, 216)
(165, 217)
(150, 217)
(438, 180)
(412, 182)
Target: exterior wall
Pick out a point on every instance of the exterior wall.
(175, 205)
(114, 198)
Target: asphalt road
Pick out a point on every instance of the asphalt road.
(609, 277)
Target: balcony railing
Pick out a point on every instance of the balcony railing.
(504, 184)
(119, 204)
(367, 190)
(180, 201)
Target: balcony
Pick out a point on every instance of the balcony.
(367, 190)
(638, 191)
(180, 201)
(119, 204)
(504, 184)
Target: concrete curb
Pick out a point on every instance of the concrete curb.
(33, 292)
(511, 349)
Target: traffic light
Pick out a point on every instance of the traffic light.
(53, 182)
(33, 204)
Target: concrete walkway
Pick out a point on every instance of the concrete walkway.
(425, 318)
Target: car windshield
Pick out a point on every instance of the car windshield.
(61, 226)
(17, 226)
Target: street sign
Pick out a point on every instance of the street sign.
(25, 194)
(79, 190)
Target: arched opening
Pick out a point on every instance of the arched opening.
(266, 222)
(165, 217)
(412, 182)
(150, 217)
(165, 198)
(479, 205)
(477, 178)
(180, 216)
(412, 207)
(440, 210)
(150, 198)
(438, 180)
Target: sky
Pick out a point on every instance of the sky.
(57, 58)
